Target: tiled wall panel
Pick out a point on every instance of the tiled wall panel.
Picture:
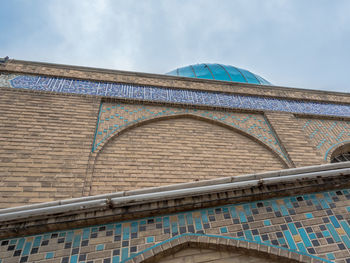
(171, 95)
(325, 134)
(178, 150)
(315, 224)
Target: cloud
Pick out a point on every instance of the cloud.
(291, 43)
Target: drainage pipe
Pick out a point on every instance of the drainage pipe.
(182, 186)
(142, 198)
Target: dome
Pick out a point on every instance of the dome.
(219, 72)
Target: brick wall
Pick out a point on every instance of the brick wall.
(198, 255)
(45, 142)
(297, 144)
(177, 150)
(169, 81)
(295, 227)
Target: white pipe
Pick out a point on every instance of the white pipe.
(62, 207)
(82, 206)
(223, 180)
(223, 187)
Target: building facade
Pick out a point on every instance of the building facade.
(210, 163)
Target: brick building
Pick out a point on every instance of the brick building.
(209, 163)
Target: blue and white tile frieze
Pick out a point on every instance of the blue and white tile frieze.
(171, 95)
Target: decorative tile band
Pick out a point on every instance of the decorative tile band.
(326, 134)
(225, 237)
(114, 117)
(170, 95)
(314, 224)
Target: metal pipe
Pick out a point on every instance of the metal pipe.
(223, 187)
(117, 199)
(82, 206)
(223, 180)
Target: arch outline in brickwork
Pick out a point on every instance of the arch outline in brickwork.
(152, 119)
(330, 151)
(217, 242)
(95, 154)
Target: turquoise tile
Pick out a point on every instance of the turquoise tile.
(159, 219)
(326, 233)
(62, 234)
(76, 241)
(292, 229)
(27, 248)
(225, 210)
(69, 236)
(134, 227)
(233, 212)
(166, 222)
(74, 259)
(346, 227)
(118, 229)
(267, 222)
(304, 237)
(174, 228)
(247, 210)
(37, 241)
(312, 236)
(47, 236)
(223, 230)
(126, 233)
(20, 243)
(49, 255)
(324, 204)
(86, 233)
(248, 234)
(100, 247)
(348, 209)
(204, 217)
(301, 247)
(150, 239)
(181, 220)
(288, 203)
(282, 241)
(198, 223)
(334, 221)
(290, 239)
(346, 241)
(327, 197)
(284, 210)
(309, 215)
(333, 232)
(257, 238)
(115, 259)
(14, 241)
(274, 206)
(242, 217)
(125, 253)
(330, 256)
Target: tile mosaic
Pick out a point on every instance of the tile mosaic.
(293, 234)
(217, 99)
(326, 134)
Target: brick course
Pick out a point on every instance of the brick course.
(45, 142)
(174, 151)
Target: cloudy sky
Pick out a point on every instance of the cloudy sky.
(294, 43)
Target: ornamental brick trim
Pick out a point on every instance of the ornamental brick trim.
(236, 245)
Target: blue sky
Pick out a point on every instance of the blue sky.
(293, 43)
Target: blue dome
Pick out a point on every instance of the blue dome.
(219, 72)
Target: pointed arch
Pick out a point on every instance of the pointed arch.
(236, 129)
(216, 242)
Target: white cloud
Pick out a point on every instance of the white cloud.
(289, 42)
